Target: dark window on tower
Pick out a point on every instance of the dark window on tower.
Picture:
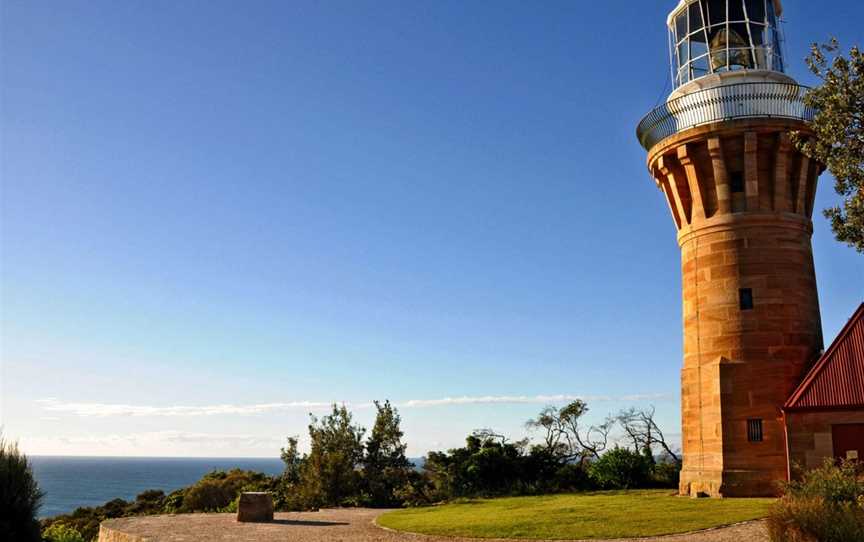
(745, 298)
(736, 181)
(754, 430)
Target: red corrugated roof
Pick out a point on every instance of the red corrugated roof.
(837, 379)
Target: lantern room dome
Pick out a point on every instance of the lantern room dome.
(709, 37)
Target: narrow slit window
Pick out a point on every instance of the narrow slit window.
(745, 299)
(736, 182)
(754, 430)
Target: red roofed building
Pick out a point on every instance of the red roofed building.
(825, 414)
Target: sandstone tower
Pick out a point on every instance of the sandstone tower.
(741, 198)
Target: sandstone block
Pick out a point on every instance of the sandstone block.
(255, 507)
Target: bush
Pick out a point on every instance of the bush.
(60, 532)
(825, 505)
(571, 477)
(620, 468)
(293, 496)
(173, 503)
(484, 467)
(146, 503)
(813, 520)
(418, 491)
(218, 489)
(666, 475)
(208, 495)
(832, 482)
(86, 520)
(20, 496)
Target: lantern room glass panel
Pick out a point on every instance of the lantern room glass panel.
(710, 36)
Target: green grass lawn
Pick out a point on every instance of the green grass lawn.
(602, 514)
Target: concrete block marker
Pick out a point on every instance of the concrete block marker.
(255, 507)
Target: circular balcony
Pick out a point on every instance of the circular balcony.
(727, 102)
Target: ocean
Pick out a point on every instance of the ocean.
(71, 482)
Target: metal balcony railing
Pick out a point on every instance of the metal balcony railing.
(737, 101)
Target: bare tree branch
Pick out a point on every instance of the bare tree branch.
(642, 429)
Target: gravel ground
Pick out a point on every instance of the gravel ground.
(335, 525)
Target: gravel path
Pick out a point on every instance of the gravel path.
(335, 525)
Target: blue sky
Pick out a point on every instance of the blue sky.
(218, 216)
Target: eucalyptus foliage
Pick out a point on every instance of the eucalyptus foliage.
(838, 134)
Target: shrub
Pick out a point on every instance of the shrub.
(60, 532)
(620, 468)
(216, 490)
(86, 520)
(418, 491)
(825, 505)
(288, 496)
(814, 520)
(833, 482)
(665, 475)
(149, 502)
(173, 503)
(571, 477)
(483, 467)
(207, 496)
(20, 496)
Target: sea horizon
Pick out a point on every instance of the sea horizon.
(74, 481)
(31, 456)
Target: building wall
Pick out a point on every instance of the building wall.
(744, 364)
(810, 439)
(740, 364)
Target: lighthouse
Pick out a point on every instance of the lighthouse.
(741, 198)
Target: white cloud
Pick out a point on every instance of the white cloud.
(155, 443)
(84, 409)
(526, 399)
(108, 409)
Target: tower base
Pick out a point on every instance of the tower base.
(737, 483)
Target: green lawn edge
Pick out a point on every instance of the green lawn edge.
(573, 516)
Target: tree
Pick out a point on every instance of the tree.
(643, 431)
(838, 134)
(20, 497)
(488, 435)
(565, 438)
(620, 468)
(293, 462)
(385, 467)
(486, 465)
(330, 475)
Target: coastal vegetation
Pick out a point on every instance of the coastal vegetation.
(345, 467)
(575, 480)
(19, 495)
(824, 504)
(599, 514)
(216, 491)
(59, 532)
